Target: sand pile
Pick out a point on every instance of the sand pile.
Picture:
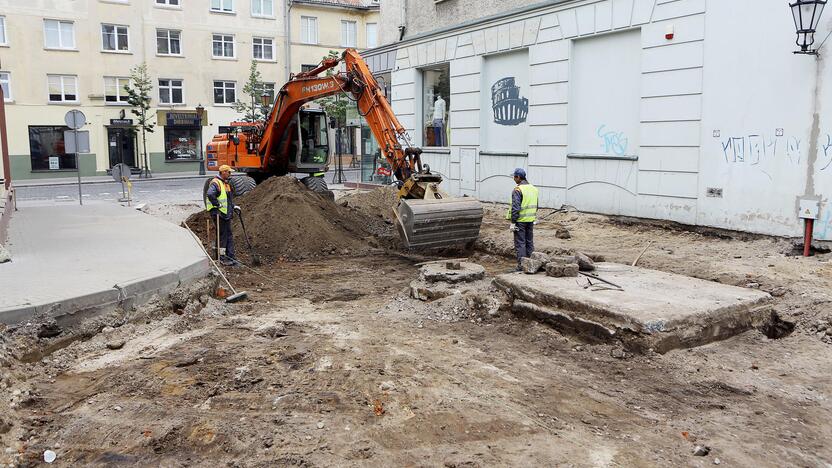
(286, 220)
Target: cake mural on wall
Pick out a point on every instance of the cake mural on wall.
(509, 107)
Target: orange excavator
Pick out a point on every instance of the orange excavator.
(295, 140)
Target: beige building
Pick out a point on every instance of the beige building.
(57, 55)
(318, 26)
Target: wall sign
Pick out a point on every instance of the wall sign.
(508, 106)
(121, 121)
(54, 162)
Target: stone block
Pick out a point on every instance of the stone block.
(530, 266)
(562, 259)
(584, 262)
(561, 270)
(452, 272)
(540, 256)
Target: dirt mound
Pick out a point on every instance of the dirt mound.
(286, 220)
(376, 206)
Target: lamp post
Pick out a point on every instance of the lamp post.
(806, 14)
(200, 111)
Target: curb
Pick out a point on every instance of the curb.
(69, 311)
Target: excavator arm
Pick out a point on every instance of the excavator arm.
(427, 217)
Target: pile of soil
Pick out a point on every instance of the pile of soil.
(285, 220)
(376, 206)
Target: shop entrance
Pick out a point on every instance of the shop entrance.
(121, 142)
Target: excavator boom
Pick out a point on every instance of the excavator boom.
(427, 217)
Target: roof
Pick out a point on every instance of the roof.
(354, 4)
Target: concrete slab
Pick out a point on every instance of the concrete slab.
(70, 260)
(655, 310)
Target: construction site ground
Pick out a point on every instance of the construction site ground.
(331, 363)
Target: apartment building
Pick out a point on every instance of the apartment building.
(61, 55)
(319, 26)
(692, 111)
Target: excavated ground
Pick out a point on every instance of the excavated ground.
(331, 363)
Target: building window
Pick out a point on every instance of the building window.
(47, 150)
(63, 88)
(114, 38)
(59, 34)
(306, 67)
(6, 84)
(309, 29)
(168, 2)
(115, 89)
(170, 92)
(223, 46)
(263, 48)
(223, 6)
(262, 8)
(348, 32)
(372, 35)
(168, 42)
(3, 39)
(436, 100)
(225, 92)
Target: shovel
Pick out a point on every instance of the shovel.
(255, 260)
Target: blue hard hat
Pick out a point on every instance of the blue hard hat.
(519, 172)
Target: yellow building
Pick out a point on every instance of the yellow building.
(57, 55)
(318, 26)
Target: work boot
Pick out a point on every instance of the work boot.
(228, 261)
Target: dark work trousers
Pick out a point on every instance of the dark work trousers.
(524, 240)
(226, 238)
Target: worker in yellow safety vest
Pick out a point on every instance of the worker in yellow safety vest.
(218, 199)
(523, 215)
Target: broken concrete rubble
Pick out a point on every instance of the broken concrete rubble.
(442, 279)
(530, 265)
(644, 315)
(562, 270)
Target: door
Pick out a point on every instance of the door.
(122, 146)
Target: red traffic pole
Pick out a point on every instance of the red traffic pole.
(807, 236)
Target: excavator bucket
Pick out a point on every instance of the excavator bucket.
(439, 223)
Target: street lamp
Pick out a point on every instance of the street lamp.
(806, 15)
(200, 111)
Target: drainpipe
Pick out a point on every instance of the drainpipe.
(4, 146)
(287, 20)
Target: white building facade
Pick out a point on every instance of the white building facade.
(693, 111)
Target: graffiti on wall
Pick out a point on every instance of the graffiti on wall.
(757, 149)
(825, 151)
(612, 142)
(508, 106)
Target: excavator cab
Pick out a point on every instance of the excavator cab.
(312, 132)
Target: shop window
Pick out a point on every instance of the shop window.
(223, 46)
(309, 29)
(182, 143)
(115, 89)
(436, 102)
(63, 88)
(263, 48)
(47, 150)
(222, 6)
(225, 92)
(170, 92)
(6, 84)
(114, 38)
(348, 33)
(168, 42)
(262, 8)
(59, 34)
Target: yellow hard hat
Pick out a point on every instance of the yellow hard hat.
(225, 167)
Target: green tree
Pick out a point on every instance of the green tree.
(253, 110)
(138, 96)
(335, 106)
